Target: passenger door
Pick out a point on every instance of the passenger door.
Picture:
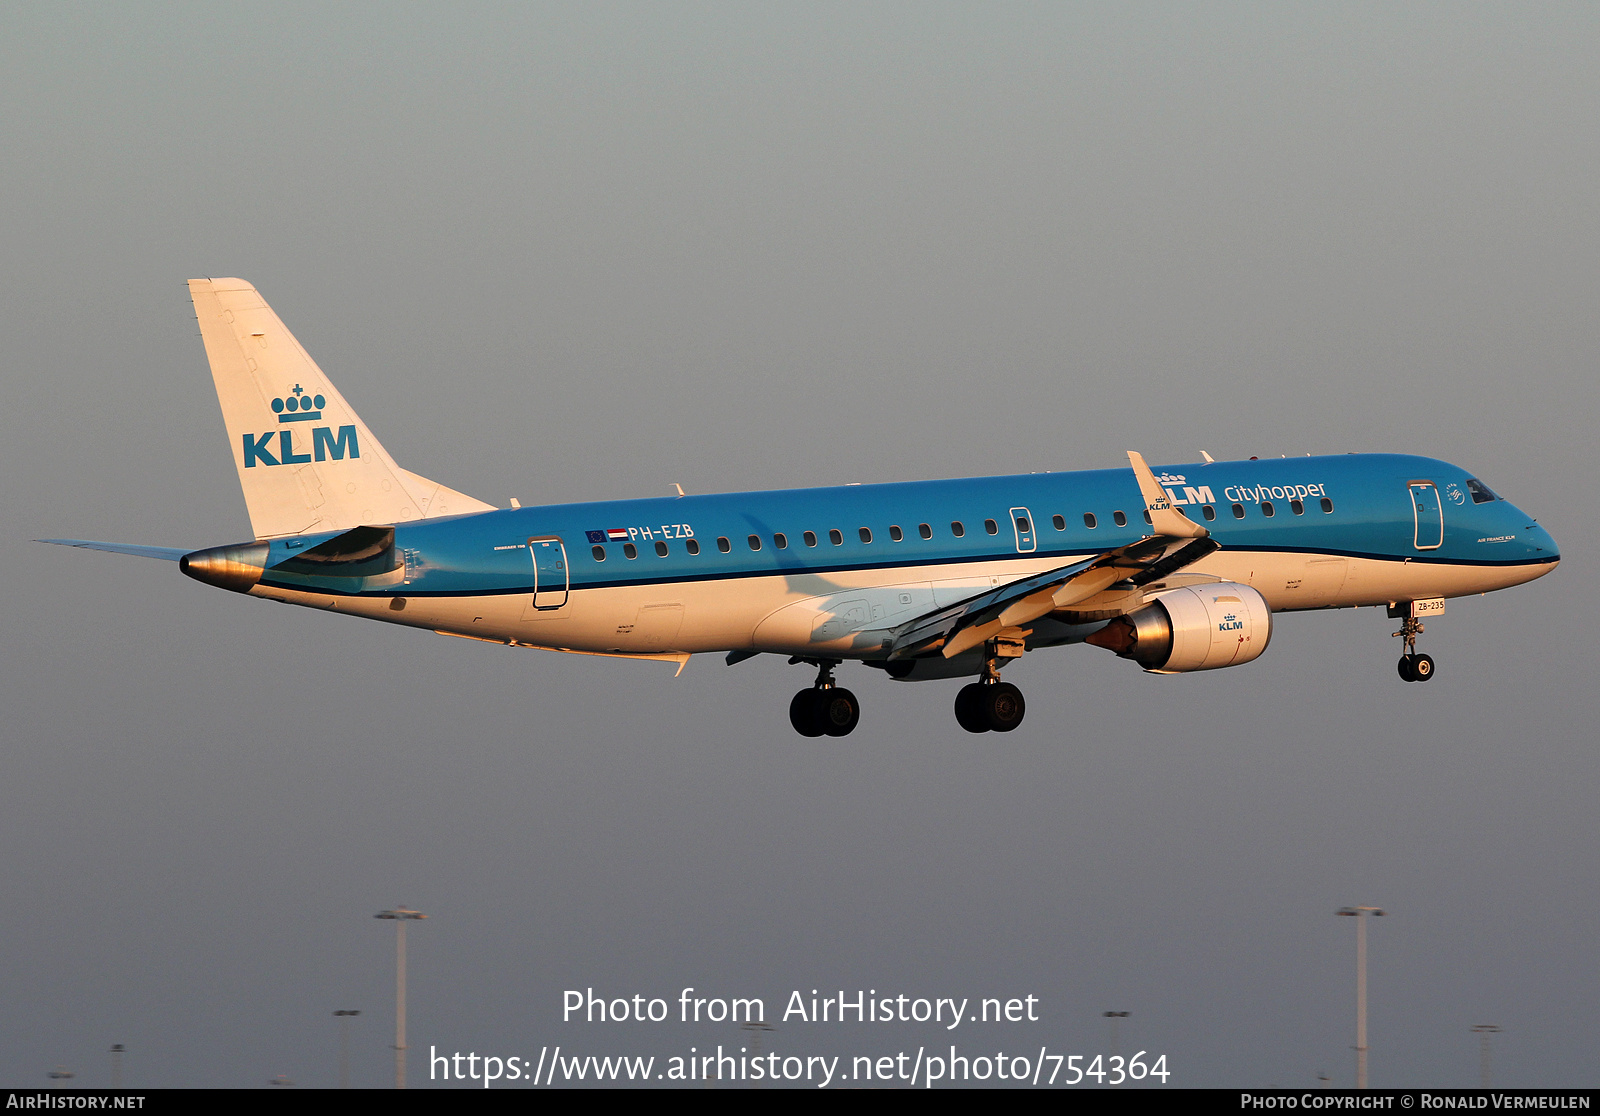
(549, 572)
(1428, 514)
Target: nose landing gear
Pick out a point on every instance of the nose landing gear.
(1412, 666)
(826, 709)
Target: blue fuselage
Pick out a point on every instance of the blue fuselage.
(1377, 507)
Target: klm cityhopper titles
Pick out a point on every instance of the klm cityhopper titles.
(1177, 569)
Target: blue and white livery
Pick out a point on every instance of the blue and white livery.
(1178, 568)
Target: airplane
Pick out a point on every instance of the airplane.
(1176, 569)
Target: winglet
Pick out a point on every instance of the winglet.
(1166, 519)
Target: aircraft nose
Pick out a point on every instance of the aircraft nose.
(1539, 543)
(236, 568)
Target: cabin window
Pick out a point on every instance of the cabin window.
(925, 530)
(723, 544)
(780, 540)
(895, 534)
(1119, 519)
(1146, 514)
(1208, 511)
(1238, 511)
(1327, 504)
(1089, 520)
(599, 553)
(866, 535)
(1297, 507)
(1266, 508)
(956, 528)
(1059, 522)
(836, 536)
(661, 549)
(810, 537)
(692, 546)
(755, 542)
(629, 550)
(1023, 525)
(991, 526)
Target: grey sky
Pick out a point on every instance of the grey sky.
(566, 252)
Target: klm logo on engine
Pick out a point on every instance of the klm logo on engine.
(1230, 623)
(296, 407)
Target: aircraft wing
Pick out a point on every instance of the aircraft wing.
(966, 624)
(165, 553)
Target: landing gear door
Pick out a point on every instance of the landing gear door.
(1022, 524)
(549, 572)
(1429, 515)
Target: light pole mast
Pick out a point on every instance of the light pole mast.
(344, 1018)
(1483, 1031)
(401, 916)
(1115, 1017)
(1361, 986)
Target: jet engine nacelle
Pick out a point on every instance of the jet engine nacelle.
(1199, 627)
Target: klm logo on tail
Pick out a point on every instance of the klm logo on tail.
(296, 406)
(299, 407)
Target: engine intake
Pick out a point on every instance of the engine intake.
(1200, 627)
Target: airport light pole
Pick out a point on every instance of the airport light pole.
(1358, 914)
(1115, 1017)
(756, 1027)
(344, 1018)
(1483, 1031)
(117, 1051)
(400, 916)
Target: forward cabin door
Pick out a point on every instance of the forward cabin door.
(1429, 515)
(549, 572)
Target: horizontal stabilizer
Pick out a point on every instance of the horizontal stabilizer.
(359, 552)
(356, 545)
(165, 553)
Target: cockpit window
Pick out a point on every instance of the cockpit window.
(1481, 493)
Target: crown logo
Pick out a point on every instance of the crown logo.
(297, 406)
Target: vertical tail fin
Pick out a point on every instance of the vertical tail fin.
(306, 461)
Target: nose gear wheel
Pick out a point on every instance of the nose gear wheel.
(1416, 668)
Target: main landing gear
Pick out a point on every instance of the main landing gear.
(1412, 666)
(826, 708)
(991, 705)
